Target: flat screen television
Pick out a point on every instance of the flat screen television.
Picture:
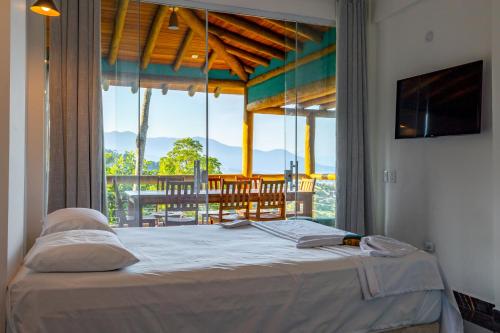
(446, 102)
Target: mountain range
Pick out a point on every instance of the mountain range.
(272, 161)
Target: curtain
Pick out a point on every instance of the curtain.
(76, 166)
(352, 171)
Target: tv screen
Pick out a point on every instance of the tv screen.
(446, 102)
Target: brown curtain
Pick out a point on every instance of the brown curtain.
(76, 166)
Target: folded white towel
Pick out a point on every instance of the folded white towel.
(235, 224)
(381, 246)
(305, 233)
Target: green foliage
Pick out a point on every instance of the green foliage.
(124, 164)
(324, 199)
(180, 160)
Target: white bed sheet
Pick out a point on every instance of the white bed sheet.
(210, 279)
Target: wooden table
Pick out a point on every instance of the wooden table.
(137, 199)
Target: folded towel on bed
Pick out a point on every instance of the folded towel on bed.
(381, 246)
(235, 224)
(305, 233)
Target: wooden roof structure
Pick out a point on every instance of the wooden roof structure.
(136, 31)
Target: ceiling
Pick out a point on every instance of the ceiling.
(246, 41)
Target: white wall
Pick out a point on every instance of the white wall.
(17, 142)
(12, 141)
(444, 185)
(4, 151)
(36, 131)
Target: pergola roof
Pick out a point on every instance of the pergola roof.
(252, 41)
(251, 55)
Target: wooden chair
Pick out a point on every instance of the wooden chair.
(125, 220)
(214, 182)
(305, 185)
(162, 180)
(271, 204)
(180, 196)
(254, 180)
(235, 196)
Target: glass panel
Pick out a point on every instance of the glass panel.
(315, 81)
(173, 115)
(121, 100)
(154, 114)
(291, 123)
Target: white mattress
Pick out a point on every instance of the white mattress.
(209, 279)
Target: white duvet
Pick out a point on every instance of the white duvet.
(210, 279)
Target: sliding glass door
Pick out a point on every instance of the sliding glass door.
(193, 98)
(121, 98)
(155, 113)
(316, 130)
(178, 110)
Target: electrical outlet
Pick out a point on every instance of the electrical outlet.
(429, 247)
(390, 176)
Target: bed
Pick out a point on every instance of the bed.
(210, 279)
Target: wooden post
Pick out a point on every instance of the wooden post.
(247, 146)
(309, 158)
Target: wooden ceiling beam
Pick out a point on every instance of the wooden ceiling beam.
(302, 30)
(292, 65)
(154, 32)
(211, 59)
(328, 106)
(230, 36)
(247, 55)
(254, 28)
(291, 112)
(213, 56)
(174, 82)
(214, 41)
(121, 13)
(249, 69)
(181, 52)
(318, 101)
(309, 91)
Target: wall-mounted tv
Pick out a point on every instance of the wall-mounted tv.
(446, 102)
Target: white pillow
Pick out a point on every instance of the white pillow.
(79, 251)
(74, 219)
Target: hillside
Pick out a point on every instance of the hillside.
(272, 161)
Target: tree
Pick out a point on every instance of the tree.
(143, 131)
(124, 164)
(180, 160)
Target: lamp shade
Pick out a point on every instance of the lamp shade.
(45, 7)
(173, 22)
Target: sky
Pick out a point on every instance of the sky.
(178, 115)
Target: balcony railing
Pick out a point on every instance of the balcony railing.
(323, 198)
